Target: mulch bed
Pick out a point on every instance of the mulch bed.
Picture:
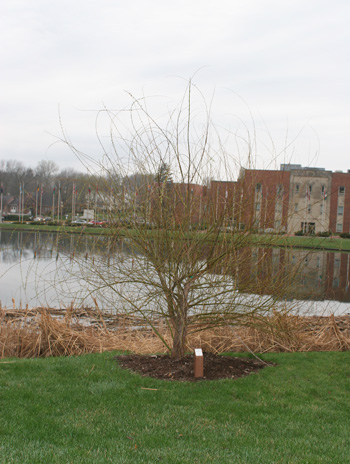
(167, 368)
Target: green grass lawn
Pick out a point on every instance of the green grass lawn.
(58, 229)
(317, 243)
(87, 410)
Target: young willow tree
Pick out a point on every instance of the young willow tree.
(174, 252)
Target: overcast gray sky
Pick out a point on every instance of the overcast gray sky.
(286, 62)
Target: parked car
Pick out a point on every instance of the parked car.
(97, 223)
(79, 221)
(38, 219)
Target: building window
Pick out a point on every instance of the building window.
(309, 208)
(308, 191)
(321, 208)
(341, 190)
(278, 208)
(339, 228)
(296, 207)
(257, 206)
(279, 189)
(340, 210)
(323, 188)
(258, 188)
(297, 188)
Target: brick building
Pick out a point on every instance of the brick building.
(220, 202)
(291, 199)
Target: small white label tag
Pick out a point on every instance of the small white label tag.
(198, 352)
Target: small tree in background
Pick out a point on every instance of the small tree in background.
(178, 261)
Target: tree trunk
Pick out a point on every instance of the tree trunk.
(180, 324)
(180, 337)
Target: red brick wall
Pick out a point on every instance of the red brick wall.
(196, 204)
(339, 179)
(269, 181)
(221, 196)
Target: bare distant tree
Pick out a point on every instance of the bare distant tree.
(46, 170)
(12, 173)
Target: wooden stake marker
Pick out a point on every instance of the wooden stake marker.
(198, 363)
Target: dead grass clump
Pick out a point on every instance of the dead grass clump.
(41, 333)
(44, 332)
(279, 333)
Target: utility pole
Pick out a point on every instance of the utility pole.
(73, 202)
(59, 201)
(36, 199)
(41, 199)
(1, 195)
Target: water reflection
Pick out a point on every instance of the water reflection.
(38, 269)
(45, 269)
(312, 275)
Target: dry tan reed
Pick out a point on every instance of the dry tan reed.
(43, 332)
(279, 333)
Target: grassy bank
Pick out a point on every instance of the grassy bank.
(88, 410)
(55, 229)
(319, 243)
(261, 240)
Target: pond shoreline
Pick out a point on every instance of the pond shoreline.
(41, 332)
(333, 243)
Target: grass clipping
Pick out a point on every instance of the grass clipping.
(44, 332)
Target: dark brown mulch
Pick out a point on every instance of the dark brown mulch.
(167, 368)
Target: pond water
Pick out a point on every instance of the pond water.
(37, 269)
(43, 269)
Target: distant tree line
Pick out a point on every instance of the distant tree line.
(42, 182)
(47, 174)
